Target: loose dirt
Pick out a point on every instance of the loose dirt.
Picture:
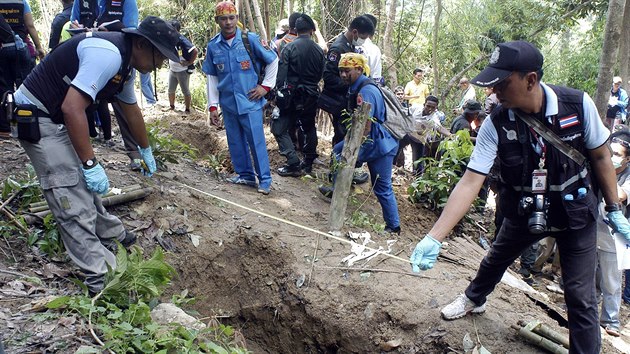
(283, 287)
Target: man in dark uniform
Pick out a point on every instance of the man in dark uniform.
(544, 192)
(360, 29)
(300, 70)
(58, 22)
(90, 66)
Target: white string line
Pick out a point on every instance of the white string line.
(273, 217)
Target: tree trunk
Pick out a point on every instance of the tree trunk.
(434, 49)
(261, 23)
(459, 75)
(349, 155)
(388, 50)
(266, 14)
(289, 8)
(323, 28)
(612, 33)
(624, 47)
(250, 19)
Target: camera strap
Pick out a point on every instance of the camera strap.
(551, 137)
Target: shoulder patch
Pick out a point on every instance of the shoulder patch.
(333, 56)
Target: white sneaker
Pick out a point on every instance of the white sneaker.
(460, 307)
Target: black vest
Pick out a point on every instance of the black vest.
(113, 11)
(13, 12)
(518, 160)
(50, 80)
(87, 12)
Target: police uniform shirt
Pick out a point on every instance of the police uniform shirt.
(302, 64)
(332, 81)
(99, 62)
(129, 11)
(485, 151)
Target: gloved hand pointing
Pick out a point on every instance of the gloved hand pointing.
(619, 223)
(425, 254)
(96, 179)
(149, 161)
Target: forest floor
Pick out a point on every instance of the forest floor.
(286, 289)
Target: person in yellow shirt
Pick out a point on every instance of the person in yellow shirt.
(416, 91)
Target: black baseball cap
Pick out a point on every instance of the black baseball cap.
(160, 33)
(506, 58)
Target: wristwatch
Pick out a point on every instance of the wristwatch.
(613, 207)
(90, 163)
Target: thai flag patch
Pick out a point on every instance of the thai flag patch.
(569, 121)
(116, 3)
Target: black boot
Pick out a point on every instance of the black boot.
(290, 171)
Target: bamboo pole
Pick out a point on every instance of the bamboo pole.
(540, 341)
(343, 181)
(545, 331)
(107, 201)
(261, 23)
(43, 205)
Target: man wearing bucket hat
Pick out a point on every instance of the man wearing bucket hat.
(233, 82)
(53, 130)
(379, 147)
(472, 109)
(544, 191)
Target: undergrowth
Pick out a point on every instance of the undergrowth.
(120, 315)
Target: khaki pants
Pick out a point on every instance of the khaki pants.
(84, 224)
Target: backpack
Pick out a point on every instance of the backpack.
(398, 121)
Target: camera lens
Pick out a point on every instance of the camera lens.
(537, 223)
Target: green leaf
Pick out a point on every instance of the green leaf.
(61, 301)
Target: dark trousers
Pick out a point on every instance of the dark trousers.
(300, 115)
(417, 151)
(131, 146)
(100, 117)
(578, 259)
(339, 128)
(13, 64)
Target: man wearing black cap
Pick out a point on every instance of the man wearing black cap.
(300, 70)
(472, 109)
(545, 192)
(53, 129)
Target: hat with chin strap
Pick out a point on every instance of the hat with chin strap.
(161, 34)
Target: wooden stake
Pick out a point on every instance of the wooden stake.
(343, 181)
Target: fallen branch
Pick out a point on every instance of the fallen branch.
(310, 274)
(4, 271)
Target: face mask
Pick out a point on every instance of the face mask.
(617, 161)
(358, 42)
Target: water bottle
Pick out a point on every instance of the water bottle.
(9, 104)
(19, 43)
(581, 193)
(568, 197)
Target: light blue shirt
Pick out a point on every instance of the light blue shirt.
(99, 61)
(485, 152)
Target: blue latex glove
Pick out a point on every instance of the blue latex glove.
(96, 179)
(149, 161)
(425, 254)
(619, 223)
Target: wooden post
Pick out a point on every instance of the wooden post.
(343, 182)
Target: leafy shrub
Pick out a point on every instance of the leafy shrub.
(441, 175)
(165, 147)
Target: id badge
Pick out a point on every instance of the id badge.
(539, 181)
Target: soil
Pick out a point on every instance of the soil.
(283, 287)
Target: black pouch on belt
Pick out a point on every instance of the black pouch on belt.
(27, 122)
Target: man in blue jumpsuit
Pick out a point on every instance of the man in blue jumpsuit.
(379, 148)
(533, 170)
(90, 66)
(234, 84)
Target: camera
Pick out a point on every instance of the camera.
(536, 207)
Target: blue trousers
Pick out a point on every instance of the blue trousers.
(146, 88)
(578, 259)
(381, 179)
(246, 140)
